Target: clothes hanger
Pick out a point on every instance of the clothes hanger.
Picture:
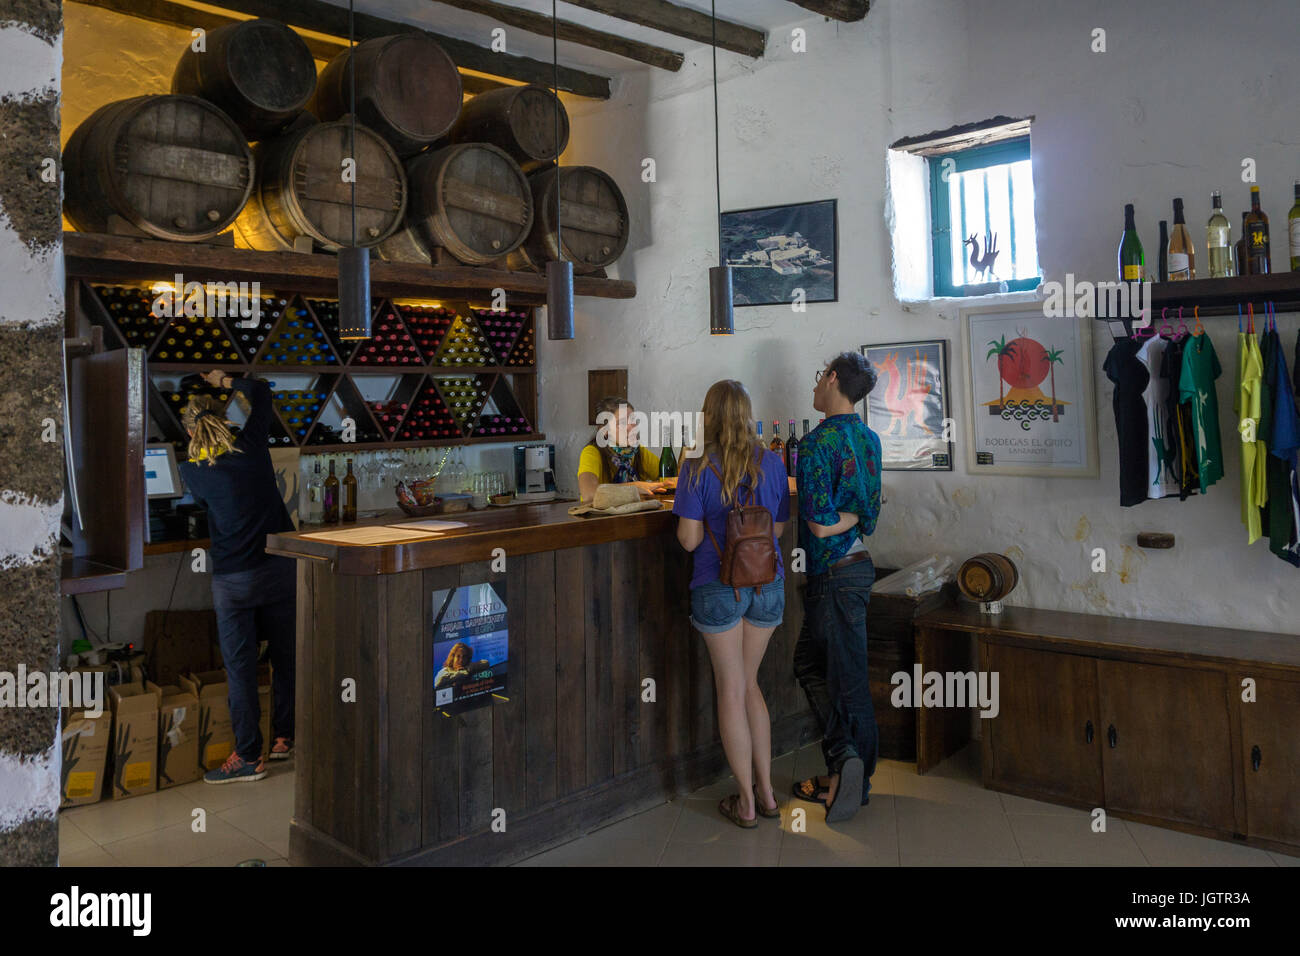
(1250, 318)
(1165, 328)
(1197, 329)
(1182, 326)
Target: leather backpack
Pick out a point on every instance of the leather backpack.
(748, 559)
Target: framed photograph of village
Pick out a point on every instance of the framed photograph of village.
(780, 254)
(909, 404)
(1029, 393)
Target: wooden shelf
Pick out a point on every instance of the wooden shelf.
(119, 258)
(178, 544)
(86, 575)
(381, 446)
(1221, 296)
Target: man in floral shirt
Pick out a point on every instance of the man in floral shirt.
(839, 499)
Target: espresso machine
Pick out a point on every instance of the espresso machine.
(535, 473)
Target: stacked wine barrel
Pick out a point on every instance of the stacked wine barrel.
(251, 138)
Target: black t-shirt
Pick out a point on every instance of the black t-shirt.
(240, 491)
(1180, 422)
(1130, 377)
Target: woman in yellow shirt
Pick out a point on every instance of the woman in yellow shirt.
(618, 458)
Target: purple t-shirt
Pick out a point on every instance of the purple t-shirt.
(703, 502)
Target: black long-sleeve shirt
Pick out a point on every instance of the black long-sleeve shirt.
(239, 490)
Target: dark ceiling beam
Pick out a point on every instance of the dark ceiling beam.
(333, 20)
(682, 22)
(187, 18)
(847, 11)
(572, 32)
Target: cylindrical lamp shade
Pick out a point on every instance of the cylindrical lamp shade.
(721, 315)
(559, 299)
(354, 292)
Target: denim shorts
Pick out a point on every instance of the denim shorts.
(714, 607)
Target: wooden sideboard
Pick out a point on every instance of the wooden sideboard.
(1191, 728)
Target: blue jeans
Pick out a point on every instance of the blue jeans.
(830, 661)
(253, 606)
(714, 607)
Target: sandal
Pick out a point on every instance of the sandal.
(773, 814)
(729, 807)
(817, 794)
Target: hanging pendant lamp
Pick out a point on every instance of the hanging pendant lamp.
(559, 272)
(722, 320)
(354, 260)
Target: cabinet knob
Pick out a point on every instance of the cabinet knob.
(1112, 736)
(1256, 757)
(1087, 732)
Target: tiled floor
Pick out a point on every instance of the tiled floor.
(944, 818)
(242, 821)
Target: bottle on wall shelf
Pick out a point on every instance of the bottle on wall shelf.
(315, 496)
(1256, 233)
(792, 449)
(1293, 229)
(1182, 254)
(330, 507)
(1162, 254)
(1243, 261)
(1131, 259)
(1218, 240)
(349, 495)
(776, 444)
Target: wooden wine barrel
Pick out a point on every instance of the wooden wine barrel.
(405, 245)
(987, 577)
(471, 199)
(259, 72)
(519, 119)
(174, 167)
(408, 89)
(593, 218)
(301, 192)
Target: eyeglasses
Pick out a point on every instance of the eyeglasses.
(820, 374)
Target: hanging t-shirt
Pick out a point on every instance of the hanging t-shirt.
(1246, 403)
(1161, 480)
(1196, 385)
(1280, 423)
(1179, 417)
(1130, 377)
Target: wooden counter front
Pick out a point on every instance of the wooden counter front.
(595, 607)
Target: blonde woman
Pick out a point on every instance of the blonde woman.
(735, 467)
(253, 593)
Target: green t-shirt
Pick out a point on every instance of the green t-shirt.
(1196, 385)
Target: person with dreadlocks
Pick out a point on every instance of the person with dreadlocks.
(253, 593)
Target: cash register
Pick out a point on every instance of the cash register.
(170, 518)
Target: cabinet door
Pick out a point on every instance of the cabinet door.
(1039, 741)
(1273, 787)
(1166, 742)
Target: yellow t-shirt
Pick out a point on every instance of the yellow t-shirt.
(592, 462)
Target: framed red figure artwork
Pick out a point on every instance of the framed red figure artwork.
(909, 407)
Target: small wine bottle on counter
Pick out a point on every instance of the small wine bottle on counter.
(331, 503)
(349, 495)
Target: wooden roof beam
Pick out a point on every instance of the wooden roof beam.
(682, 22)
(846, 11)
(572, 32)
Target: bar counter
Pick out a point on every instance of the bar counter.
(608, 708)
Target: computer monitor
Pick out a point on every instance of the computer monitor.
(161, 477)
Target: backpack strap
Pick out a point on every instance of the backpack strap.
(709, 531)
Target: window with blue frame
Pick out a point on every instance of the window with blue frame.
(982, 216)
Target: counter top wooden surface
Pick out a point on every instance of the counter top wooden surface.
(519, 529)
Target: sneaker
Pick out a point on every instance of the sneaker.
(236, 770)
(283, 749)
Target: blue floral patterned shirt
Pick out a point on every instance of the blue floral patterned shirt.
(839, 470)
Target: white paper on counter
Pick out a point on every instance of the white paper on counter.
(376, 535)
(431, 524)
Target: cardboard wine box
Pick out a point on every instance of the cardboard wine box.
(178, 737)
(85, 756)
(135, 739)
(216, 736)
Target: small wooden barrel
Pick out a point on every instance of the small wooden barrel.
(405, 245)
(301, 192)
(519, 119)
(408, 89)
(987, 577)
(174, 167)
(593, 218)
(259, 72)
(471, 199)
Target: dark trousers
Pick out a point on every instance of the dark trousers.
(830, 660)
(253, 606)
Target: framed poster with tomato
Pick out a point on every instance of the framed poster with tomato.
(1029, 393)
